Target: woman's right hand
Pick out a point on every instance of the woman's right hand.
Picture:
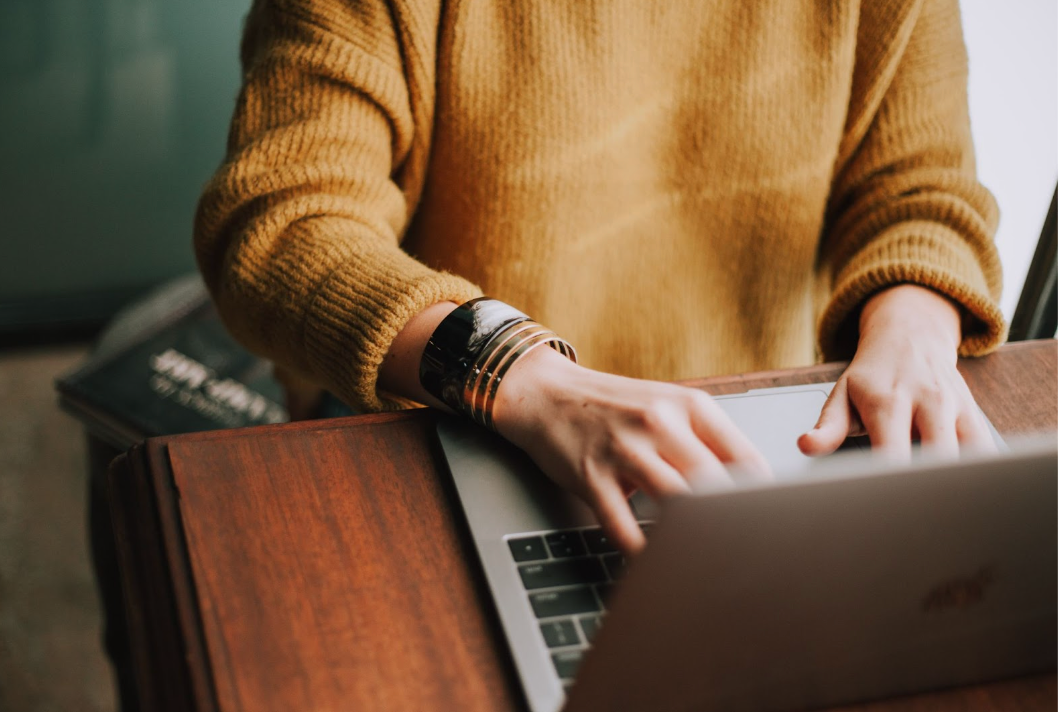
(603, 436)
(598, 435)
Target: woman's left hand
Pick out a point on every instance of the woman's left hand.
(902, 384)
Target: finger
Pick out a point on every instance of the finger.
(721, 436)
(708, 473)
(700, 466)
(973, 432)
(713, 479)
(888, 424)
(833, 426)
(616, 517)
(657, 478)
(936, 428)
(689, 456)
(971, 426)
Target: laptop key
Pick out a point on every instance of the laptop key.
(529, 548)
(605, 590)
(615, 565)
(598, 542)
(566, 602)
(564, 544)
(566, 662)
(590, 625)
(564, 572)
(560, 633)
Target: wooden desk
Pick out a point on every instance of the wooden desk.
(325, 565)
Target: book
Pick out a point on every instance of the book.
(167, 365)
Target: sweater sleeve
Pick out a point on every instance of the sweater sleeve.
(298, 233)
(906, 206)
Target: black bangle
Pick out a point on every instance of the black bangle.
(456, 344)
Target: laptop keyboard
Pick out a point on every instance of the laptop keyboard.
(568, 576)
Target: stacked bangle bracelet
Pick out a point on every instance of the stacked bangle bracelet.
(472, 349)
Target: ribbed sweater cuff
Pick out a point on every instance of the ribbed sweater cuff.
(358, 312)
(922, 253)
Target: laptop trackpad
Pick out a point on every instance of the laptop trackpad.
(773, 422)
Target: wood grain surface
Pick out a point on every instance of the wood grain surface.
(329, 570)
(325, 565)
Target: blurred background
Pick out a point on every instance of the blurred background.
(113, 113)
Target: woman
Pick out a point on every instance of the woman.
(676, 189)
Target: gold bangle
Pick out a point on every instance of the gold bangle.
(502, 368)
(495, 349)
(490, 358)
(509, 345)
(482, 379)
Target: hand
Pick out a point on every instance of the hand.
(603, 436)
(598, 435)
(902, 383)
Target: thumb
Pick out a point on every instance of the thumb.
(833, 426)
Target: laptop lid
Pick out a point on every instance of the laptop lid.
(503, 493)
(867, 580)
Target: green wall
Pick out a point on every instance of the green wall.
(113, 113)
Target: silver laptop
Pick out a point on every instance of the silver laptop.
(811, 591)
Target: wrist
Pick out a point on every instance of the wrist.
(528, 391)
(472, 351)
(399, 372)
(912, 310)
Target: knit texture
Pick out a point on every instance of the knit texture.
(679, 189)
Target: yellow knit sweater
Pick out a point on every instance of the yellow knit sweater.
(677, 188)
